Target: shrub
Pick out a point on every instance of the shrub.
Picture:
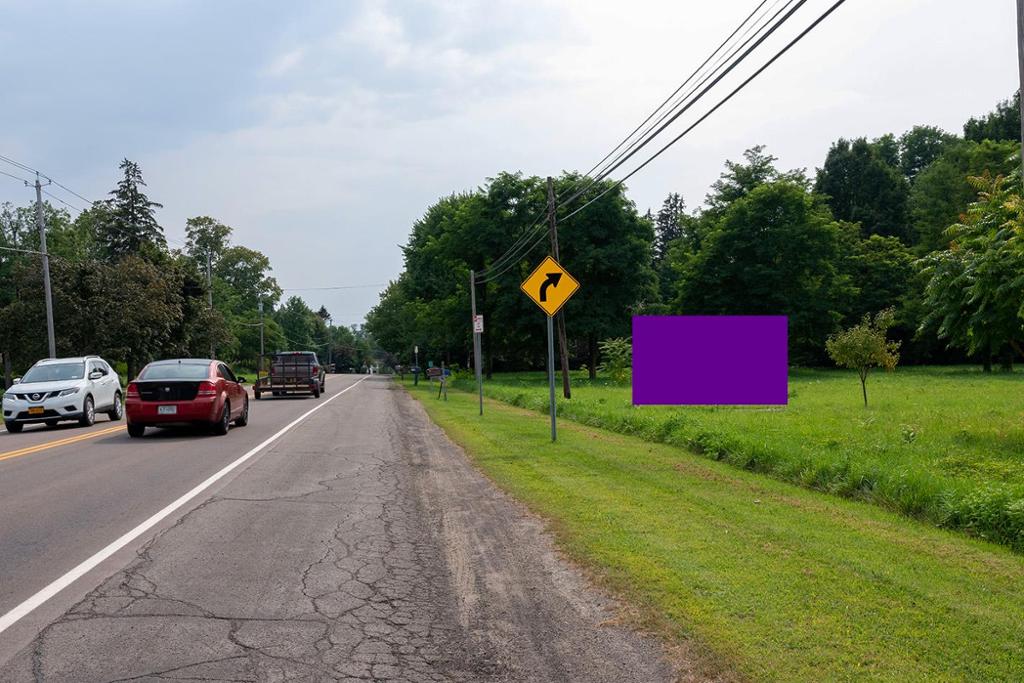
(617, 358)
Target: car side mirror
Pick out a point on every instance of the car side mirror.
(15, 380)
(95, 374)
(242, 380)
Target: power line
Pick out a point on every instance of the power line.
(18, 164)
(515, 252)
(11, 175)
(721, 102)
(25, 251)
(26, 167)
(623, 158)
(702, 76)
(68, 204)
(304, 289)
(677, 90)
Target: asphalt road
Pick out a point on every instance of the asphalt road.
(357, 545)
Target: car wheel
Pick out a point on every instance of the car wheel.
(51, 423)
(13, 427)
(316, 391)
(243, 419)
(88, 418)
(220, 428)
(256, 395)
(117, 412)
(136, 430)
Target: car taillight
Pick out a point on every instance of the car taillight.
(132, 391)
(206, 389)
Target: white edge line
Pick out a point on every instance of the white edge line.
(26, 607)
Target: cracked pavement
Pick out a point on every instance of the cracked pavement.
(362, 546)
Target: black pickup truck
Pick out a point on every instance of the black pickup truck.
(292, 372)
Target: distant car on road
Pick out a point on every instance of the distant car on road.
(186, 391)
(58, 389)
(293, 372)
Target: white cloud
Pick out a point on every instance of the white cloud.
(359, 122)
(286, 62)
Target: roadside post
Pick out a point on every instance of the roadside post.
(416, 366)
(478, 329)
(259, 306)
(442, 379)
(550, 286)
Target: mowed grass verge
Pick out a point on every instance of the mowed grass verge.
(778, 582)
(944, 445)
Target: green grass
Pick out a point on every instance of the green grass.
(945, 445)
(774, 581)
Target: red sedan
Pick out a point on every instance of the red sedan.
(186, 391)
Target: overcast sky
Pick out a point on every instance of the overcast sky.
(321, 130)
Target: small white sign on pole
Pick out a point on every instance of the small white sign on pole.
(478, 324)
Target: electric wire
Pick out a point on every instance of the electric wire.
(757, 25)
(678, 89)
(711, 111)
(68, 204)
(792, 6)
(11, 175)
(306, 289)
(515, 252)
(25, 167)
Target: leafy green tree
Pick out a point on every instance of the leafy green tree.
(941, 191)
(297, 321)
(888, 149)
(862, 187)
(618, 358)
(975, 290)
(920, 146)
(740, 178)
(881, 268)
(1001, 124)
(774, 252)
(864, 346)
(247, 281)
(206, 236)
(130, 226)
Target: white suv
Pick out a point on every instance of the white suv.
(59, 389)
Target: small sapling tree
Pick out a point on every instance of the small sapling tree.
(617, 355)
(864, 346)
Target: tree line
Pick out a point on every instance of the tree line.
(926, 223)
(119, 291)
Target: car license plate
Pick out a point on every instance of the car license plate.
(167, 410)
(35, 411)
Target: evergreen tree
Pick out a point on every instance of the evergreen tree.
(668, 225)
(130, 225)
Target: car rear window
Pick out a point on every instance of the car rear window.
(176, 371)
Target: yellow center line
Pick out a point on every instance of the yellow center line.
(60, 442)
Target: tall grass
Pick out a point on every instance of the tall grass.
(944, 445)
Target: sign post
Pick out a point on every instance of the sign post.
(478, 329)
(550, 286)
(416, 366)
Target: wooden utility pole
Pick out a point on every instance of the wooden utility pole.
(1020, 69)
(46, 266)
(563, 350)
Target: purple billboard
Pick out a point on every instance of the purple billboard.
(710, 360)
